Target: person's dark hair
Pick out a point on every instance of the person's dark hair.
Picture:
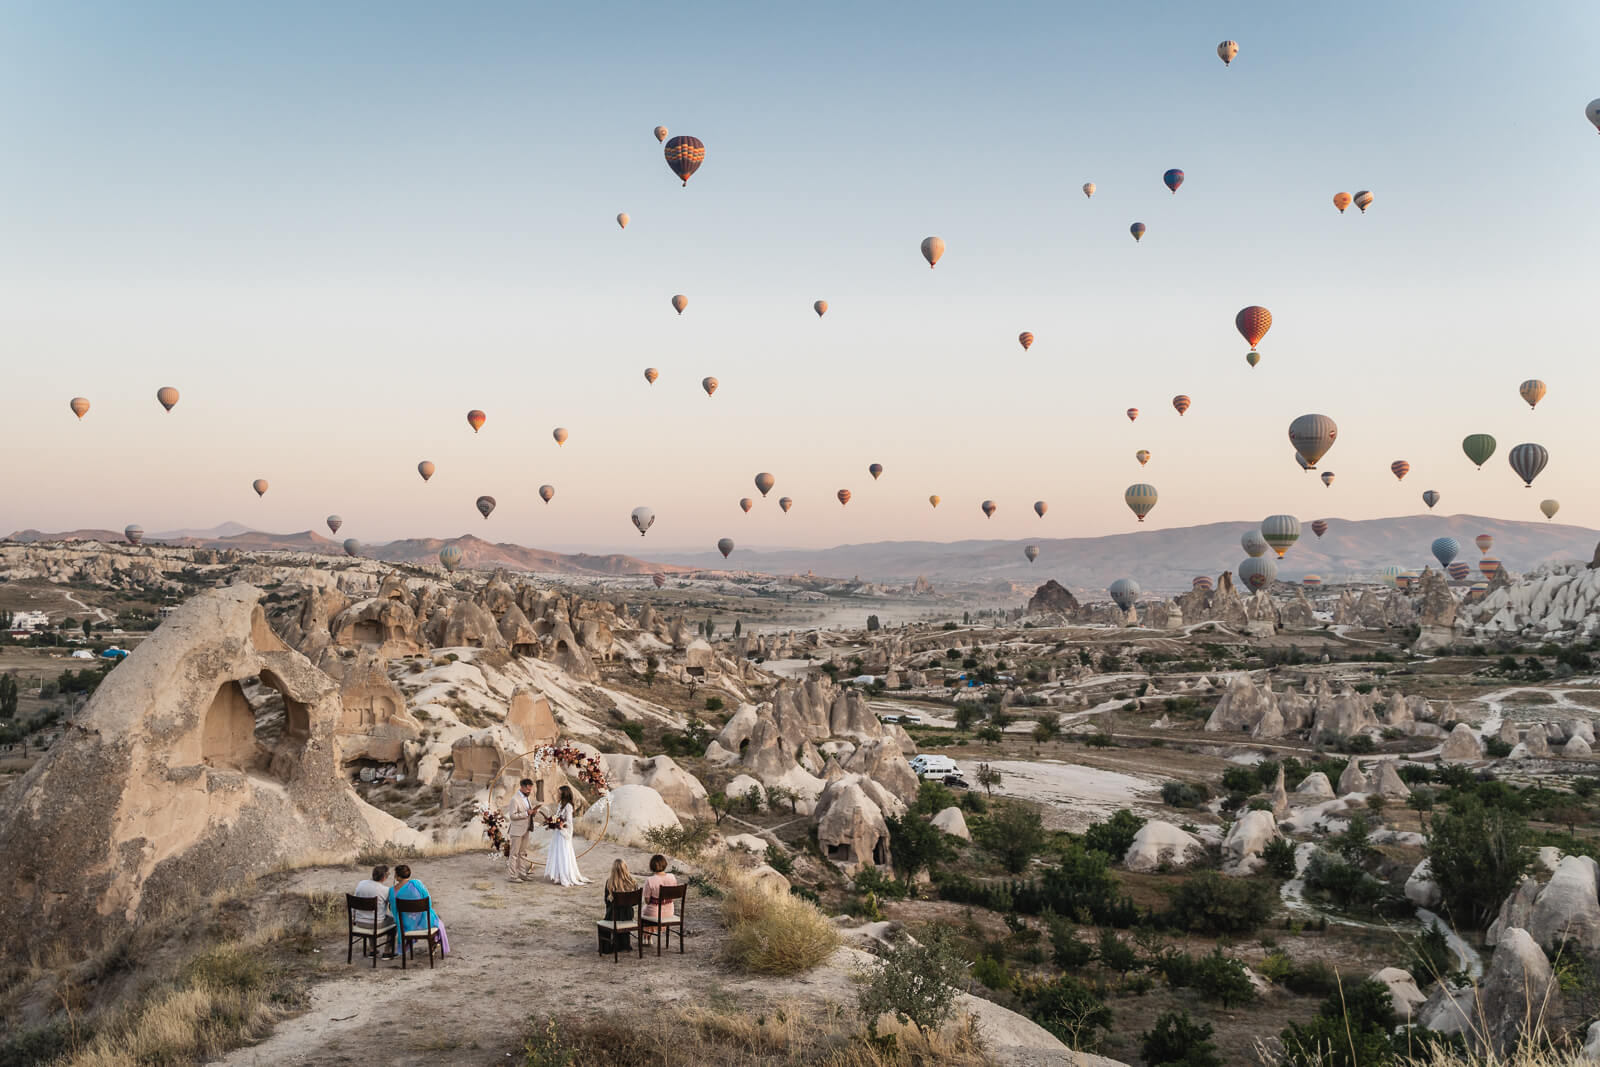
(658, 863)
(526, 781)
(566, 796)
(401, 872)
(380, 872)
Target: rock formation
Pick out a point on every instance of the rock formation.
(633, 810)
(1161, 844)
(1462, 745)
(1241, 850)
(1052, 598)
(952, 822)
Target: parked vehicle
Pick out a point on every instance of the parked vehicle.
(932, 765)
(889, 718)
(955, 781)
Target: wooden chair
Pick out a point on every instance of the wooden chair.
(428, 932)
(367, 925)
(633, 904)
(669, 894)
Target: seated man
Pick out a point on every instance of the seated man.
(376, 887)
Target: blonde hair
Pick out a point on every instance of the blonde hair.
(620, 881)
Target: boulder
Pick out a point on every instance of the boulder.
(1537, 741)
(1567, 908)
(681, 790)
(1353, 779)
(1160, 844)
(1241, 851)
(1515, 911)
(1388, 783)
(1576, 746)
(1404, 995)
(1462, 745)
(1517, 994)
(769, 879)
(747, 843)
(740, 787)
(634, 809)
(952, 822)
(1421, 889)
(1315, 786)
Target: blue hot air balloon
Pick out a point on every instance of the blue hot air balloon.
(1173, 178)
(1446, 549)
(1137, 229)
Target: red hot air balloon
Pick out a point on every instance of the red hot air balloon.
(476, 419)
(1025, 339)
(659, 580)
(1181, 403)
(684, 156)
(1253, 323)
(1400, 468)
(844, 497)
(1132, 413)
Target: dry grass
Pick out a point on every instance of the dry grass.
(771, 933)
(1525, 1057)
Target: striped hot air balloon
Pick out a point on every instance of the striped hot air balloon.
(1172, 179)
(80, 407)
(1484, 542)
(1528, 460)
(1226, 51)
(450, 557)
(1311, 581)
(1181, 403)
(334, 522)
(1445, 549)
(476, 419)
(844, 497)
(134, 534)
(1025, 339)
(1319, 527)
(1312, 437)
(1488, 566)
(1430, 498)
(1202, 583)
(1327, 478)
(1140, 498)
(1280, 532)
(1459, 570)
(1478, 447)
(684, 156)
(658, 580)
(651, 374)
(1532, 391)
(1363, 200)
(1399, 468)
(1132, 413)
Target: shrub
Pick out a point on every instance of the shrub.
(714, 703)
(991, 972)
(916, 983)
(1115, 835)
(1178, 1041)
(1067, 950)
(1477, 855)
(779, 859)
(916, 845)
(1353, 1028)
(1014, 833)
(633, 730)
(1224, 979)
(933, 797)
(685, 841)
(1279, 857)
(1431, 956)
(1184, 794)
(1114, 954)
(1069, 1008)
(1210, 903)
(1346, 885)
(773, 934)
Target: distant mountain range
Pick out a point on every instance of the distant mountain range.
(1163, 561)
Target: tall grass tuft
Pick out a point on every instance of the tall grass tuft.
(773, 933)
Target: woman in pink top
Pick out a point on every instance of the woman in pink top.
(653, 910)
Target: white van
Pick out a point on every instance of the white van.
(932, 765)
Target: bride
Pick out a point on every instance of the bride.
(561, 866)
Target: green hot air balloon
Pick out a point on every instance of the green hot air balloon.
(1280, 532)
(1478, 447)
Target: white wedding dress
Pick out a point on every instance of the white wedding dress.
(561, 864)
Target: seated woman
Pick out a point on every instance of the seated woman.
(653, 909)
(409, 888)
(620, 881)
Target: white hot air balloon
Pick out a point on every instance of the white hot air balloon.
(643, 519)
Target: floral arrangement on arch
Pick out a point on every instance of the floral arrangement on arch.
(589, 768)
(494, 823)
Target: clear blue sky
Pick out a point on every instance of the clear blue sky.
(337, 227)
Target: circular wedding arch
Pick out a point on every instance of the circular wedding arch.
(529, 763)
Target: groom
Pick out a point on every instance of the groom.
(519, 817)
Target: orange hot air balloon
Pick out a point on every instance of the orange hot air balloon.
(651, 374)
(844, 497)
(680, 302)
(933, 501)
(80, 407)
(1532, 391)
(1181, 403)
(820, 307)
(1400, 468)
(168, 396)
(1341, 201)
(745, 504)
(1133, 413)
(1025, 339)
(476, 419)
(1040, 507)
(989, 508)
(560, 434)
(426, 469)
(1143, 456)
(1253, 323)
(260, 486)
(765, 482)
(547, 492)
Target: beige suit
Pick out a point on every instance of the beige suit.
(519, 817)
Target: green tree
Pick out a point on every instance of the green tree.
(738, 628)
(1014, 833)
(1477, 856)
(915, 982)
(1210, 903)
(1069, 1008)
(988, 777)
(1178, 1041)
(916, 845)
(88, 628)
(1115, 835)
(8, 696)
(1353, 1028)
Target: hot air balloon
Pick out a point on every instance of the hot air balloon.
(1226, 51)
(1445, 549)
(1173, 178)
(352, 547)
(1528, 460)
(1363, 200)
(1143, 456)
(260, 486)
(1125, 593)
(651, 374)
(765, 482)
(933, 501)
(844, 497)
(1258, 572)
(1280, 532)
(820, 307)
(785, 503)
(932, 249)
(1138, 230)
(134, 534)
(1488, 567)
(476, 419)
(1430, 497)
(988, 507)
(1592, 113)
(1025, 339)
(684, 156)
(1484, 542)
(642, 519)
(1253, 323)
(1311, 581)
(560, 434)
(426, 469)
(661, 134)
(547, 493)
(1132, 413)
(80, 407)
(1532, 391)
(1032, 552)
(745, 504)
(875, 469)
(168, 397)
(1253, 543)
(1341, 201)
(1203, 583)
(450, 557)
(659, 580)
(725, 546)
(334, 522)
(709, 384)
(1478, 447)
(1312, 436)
(1549, 507)
(1140, 498)
(1400, 468)
(1458, 570)
(1252, 357)
(1040, 507)
(1319, 527)
(680, 302)
(1088, 189)
(622, 219)
(1181, 403)
(1390, 575)
(1327, 478)
(485, 505)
